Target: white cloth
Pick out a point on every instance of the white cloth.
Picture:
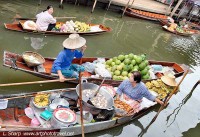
(43, 20)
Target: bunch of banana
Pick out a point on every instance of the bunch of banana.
(81, 26)
(41, 100)
(159, 87)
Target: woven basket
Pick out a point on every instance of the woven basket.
(32, 63)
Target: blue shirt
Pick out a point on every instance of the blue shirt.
(135, 93)
(64, 59)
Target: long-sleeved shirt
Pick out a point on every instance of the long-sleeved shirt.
(43, 20)
(135, 93)
(64, 59)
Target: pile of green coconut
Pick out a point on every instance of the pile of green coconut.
(121, 66)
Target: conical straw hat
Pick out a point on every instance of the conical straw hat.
(74, 41)
(169, 80)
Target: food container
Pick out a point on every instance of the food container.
(51, 107)
(32, 59)
(108, 97)
(46, 115)
(35, 122)
(63, 117)
(3, 103)
(87, 117)
(54, 95)
(60, 102)
(29, 112)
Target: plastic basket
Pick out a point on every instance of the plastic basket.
(3, 103)
(36, 56)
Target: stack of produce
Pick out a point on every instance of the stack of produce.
(82, 26)
(159, 87)
(122, 66)
(77, 26)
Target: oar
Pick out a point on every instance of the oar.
(33, 94)
(34, 82)
(18, 126)
(54, 17)
(80, 101)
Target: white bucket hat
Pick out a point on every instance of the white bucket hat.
(29, 24)
(169, 80)
(74, 41)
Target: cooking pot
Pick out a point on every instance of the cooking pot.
(102, 91)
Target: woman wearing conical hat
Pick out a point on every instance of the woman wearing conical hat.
(63, 64)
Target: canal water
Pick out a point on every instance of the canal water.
(129, 35)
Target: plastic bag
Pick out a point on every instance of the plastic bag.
(90, 67)
(103, 72)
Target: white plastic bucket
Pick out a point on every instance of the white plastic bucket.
(3, 103)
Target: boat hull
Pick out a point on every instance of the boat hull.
(18, 27)
(144, 15)
(20, 130)
(15, 61)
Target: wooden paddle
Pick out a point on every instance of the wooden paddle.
(54, 17)
(80, 101)
(33, 94)
(18, 126)
(34, 82)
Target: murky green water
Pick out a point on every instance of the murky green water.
(128, 35)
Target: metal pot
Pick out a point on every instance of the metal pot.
(102, 91)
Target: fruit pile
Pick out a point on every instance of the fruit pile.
(159, 87)
(81, 26)
(71, 26)
(121, 66)
(41, 100)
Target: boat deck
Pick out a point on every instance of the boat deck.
(14, 117)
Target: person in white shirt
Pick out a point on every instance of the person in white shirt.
(45, 20)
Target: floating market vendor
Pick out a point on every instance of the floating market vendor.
(134, 89)
(63, 64)
(45, 20)
(183, 23)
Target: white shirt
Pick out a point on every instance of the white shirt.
(43, 20)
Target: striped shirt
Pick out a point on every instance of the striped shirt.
(135, 93)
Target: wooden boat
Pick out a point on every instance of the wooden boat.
(19, 27)
(144, 14)
(15, 61)
(164, 22)
(15, 122)
(177, 33)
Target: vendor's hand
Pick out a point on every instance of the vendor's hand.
(62, 78)
(83, 48)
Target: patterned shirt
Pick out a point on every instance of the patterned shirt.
(64, 59)
(43, 20)
(135, 93)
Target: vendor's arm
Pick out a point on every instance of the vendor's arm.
(83, 48)
(149, 96)
(57, 66)
(159, 101)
